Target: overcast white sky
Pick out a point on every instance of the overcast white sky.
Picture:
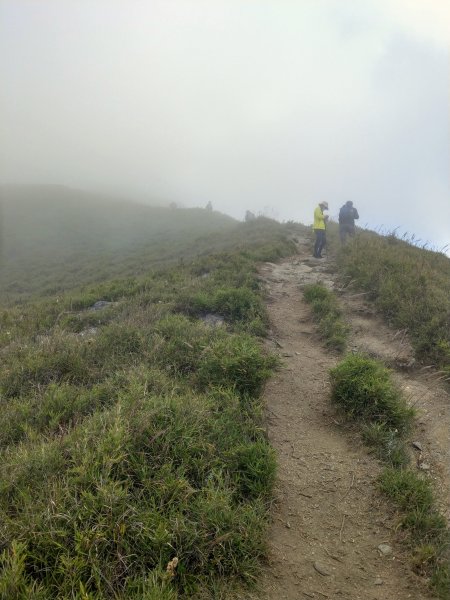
(247, 103)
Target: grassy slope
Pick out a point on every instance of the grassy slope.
(409, 285)
(139, 441)
(127, 445)
(54, 238)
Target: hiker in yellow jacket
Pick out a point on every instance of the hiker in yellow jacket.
(319, 229)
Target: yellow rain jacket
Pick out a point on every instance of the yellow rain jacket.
(319, 219)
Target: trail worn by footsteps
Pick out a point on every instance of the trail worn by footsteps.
(329, 522)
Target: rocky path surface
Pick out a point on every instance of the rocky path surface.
(333, 536)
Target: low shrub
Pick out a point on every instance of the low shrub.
(241, 307)
(117, 340)
(241, 304)
(316, 293)
(178, 343)
(328, 315)
(238, 362)
(363, 388)
(255, 467)
(77, 322)
(440, 579)
(407, 490)
(66, 358)
(414, 496)
(425, 559)
(56, 408)
(60, 359)
(386, 443)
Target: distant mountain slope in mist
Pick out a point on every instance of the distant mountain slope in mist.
(53, 237)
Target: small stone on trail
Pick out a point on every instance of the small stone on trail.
(417, 446)
(378, 581)
(424, 466)
(321, 569)
(385, 549)
(288, 525)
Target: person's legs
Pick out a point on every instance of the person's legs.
(323, 242)
(320, 242)
(317, 243)
(342, 233)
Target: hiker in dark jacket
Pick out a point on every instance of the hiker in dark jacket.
(347, 216)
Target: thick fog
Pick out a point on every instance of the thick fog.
(266, 105)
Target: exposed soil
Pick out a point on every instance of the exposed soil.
(329, 519)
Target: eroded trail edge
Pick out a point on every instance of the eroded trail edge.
(330, 525)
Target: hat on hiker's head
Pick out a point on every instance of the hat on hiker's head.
(349, 203)
(324, 204)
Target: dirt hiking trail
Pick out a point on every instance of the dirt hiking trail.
(329, 521)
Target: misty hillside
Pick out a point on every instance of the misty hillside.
(139, 422)
(134, 456)
(53, 237)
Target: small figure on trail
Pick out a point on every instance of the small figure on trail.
(347, 216)
(319, 229)
(209, 206)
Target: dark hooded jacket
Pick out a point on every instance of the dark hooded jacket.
(347, 215)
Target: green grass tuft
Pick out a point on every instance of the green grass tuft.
(429, 535)
(363, 388)
(238, 362)
(328, 315)
(386, 443)
(440, 579)
(407, 490)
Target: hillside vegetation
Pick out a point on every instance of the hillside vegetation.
(134, 462)
(53, 238)
(411, 288)
(367, 393)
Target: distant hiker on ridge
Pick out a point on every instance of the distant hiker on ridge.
(347, 216)
(319, 229)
